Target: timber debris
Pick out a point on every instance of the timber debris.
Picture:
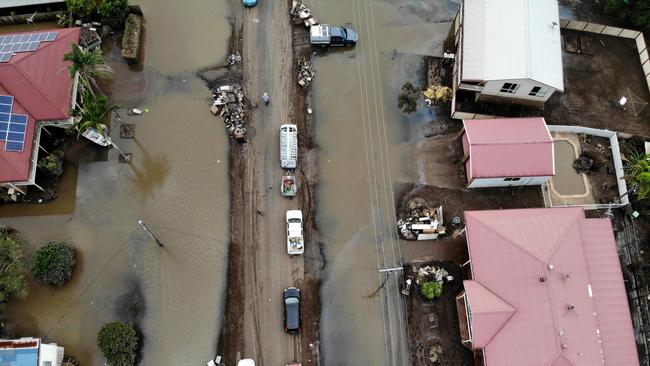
(300, 13)
(306, 73)
(420, 221)
(229, 104)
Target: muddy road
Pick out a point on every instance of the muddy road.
(260, 268)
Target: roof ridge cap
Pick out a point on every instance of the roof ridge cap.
(560, 238)
(513, 309)
(34, 84)
(510, 241)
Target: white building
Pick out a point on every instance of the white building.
(29, 352)
(508, 50)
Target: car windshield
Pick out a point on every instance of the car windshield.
(294, 221)
(291, 301)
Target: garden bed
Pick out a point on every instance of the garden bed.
(603, 177)
(433, 325)
(131, 41)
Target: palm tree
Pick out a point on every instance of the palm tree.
(637, 169)
(89, 64)
(93, 113)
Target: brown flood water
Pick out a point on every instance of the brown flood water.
(365, 152)
(177, 184)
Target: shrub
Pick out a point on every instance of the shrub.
(408, 99)
(118, 342)
(431, 289)
(637, 172)
(109, 8)
(12, 267)
(81, 7)
(52, 163)
(53, 263)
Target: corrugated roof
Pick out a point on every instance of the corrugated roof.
(42, 89)
(512, 39)
(561, 274)
(509, 147)
(489, 313)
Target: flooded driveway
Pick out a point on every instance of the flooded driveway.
(366, 146)
(177, 184)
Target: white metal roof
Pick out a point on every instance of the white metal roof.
(512, 39)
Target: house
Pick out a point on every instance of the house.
(507, 152)
(508, 50)
(29, 352)
(36, 91)
(545, 287)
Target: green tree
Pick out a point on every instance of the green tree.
(89, 64)
(431, 289)
(93, 113)
(637, 172)
(53, 263)
(110, 8)
(636, 11)
(408, 99)
(81, 7)
(12, 267)
(118, 342)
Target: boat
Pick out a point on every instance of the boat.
(96, 137)
(288, 188)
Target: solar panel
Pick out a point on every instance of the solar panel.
(13, 127)
(6, 99)
(13, 43)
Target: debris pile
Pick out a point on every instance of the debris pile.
(229, 104)
(420, 221)
(233, 58)
(432, 273)
(585, 164)
(306, 73)
(300, 13)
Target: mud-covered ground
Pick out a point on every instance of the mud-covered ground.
(249, 328)
(435, 323)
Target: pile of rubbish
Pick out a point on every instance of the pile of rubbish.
(585, 164)
(233, 58)
(306, 73)
(432, 273)
(300, 13)
(420, 221)
(229, 104)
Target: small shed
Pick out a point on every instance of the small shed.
(509, 50)
(507, 152)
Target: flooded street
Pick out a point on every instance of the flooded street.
(177, 184)
(366, 146)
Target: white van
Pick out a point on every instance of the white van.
(289, 146)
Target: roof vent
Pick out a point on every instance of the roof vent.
(564, 346)
(542, 279)
(550, 267)
(565, 276)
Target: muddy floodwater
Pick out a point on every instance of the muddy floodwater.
(365, 152)
(566, 181)
(177, 184)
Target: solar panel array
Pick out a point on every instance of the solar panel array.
(14, 43)
(13, 126)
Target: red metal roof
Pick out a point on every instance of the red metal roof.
(42, 89)
(578, 314)
(509, 147)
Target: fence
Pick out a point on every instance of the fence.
(616, 157)
(637, 285)
(637, 36)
